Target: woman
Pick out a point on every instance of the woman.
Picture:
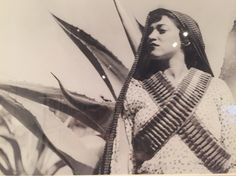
(172, 115)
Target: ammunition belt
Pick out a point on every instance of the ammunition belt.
(205, 146)
(177, 117)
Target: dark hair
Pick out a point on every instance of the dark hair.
(146, 66)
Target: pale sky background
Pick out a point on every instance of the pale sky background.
(32, 44)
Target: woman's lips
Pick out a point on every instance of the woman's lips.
(155, 44)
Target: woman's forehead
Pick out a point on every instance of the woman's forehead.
(164, 20)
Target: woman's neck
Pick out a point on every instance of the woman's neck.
(177, 69)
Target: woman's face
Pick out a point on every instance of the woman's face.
(164, 39)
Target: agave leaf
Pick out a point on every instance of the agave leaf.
(105, 56)
(3, 121)
(53, 169)
(228, 70)
(23, 115)
(53, 98)
(46, 158)
(43, 153)
(41, 147)
(140, 26)
(37, 172)
(118, 70)
(82, 164)
(132, 32)
(5, 171)
(17, 154)
(87, 52)
(4, 156)
(90, 107)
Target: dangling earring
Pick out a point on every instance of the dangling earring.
(184, 36)
(186, 43)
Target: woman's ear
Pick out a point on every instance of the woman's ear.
(184, 38)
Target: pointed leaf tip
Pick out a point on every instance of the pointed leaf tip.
(54, 16)
(54, 76)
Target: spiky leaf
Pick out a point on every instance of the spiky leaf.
(131, 31)
(54, 98)
(87, 52)
(31, 123)
(104, 55)
(5, 158)
(17, 154)
(57, 166)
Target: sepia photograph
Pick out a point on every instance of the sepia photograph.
(117, 87)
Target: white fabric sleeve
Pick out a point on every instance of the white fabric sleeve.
(227, 110)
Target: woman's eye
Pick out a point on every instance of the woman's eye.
(162, 31)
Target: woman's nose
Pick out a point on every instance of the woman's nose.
(154, 34)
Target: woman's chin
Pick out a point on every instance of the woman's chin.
(154, 56)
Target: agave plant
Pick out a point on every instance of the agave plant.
(12, 138)
(80, 119)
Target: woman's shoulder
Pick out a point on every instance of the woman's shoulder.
(218, 84)
(220, 89)
(214, 81)
(135, 91)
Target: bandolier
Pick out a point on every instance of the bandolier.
(176, 115)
